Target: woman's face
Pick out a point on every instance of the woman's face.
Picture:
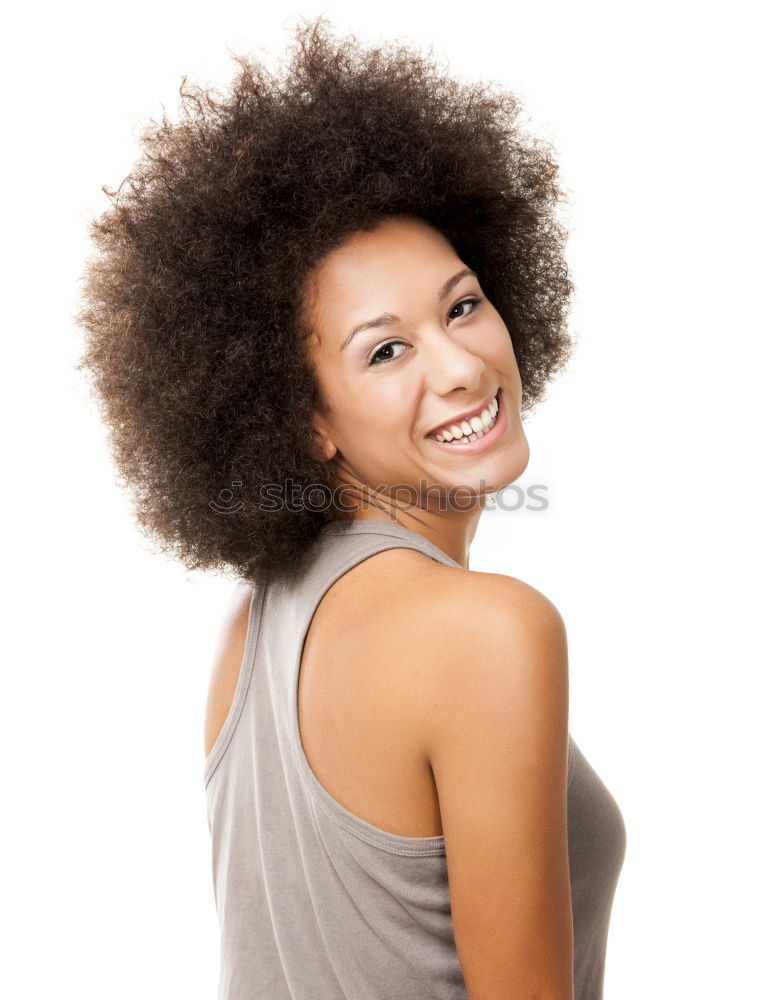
(432, 351)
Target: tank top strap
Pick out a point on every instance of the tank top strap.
(367, 531)
(340, 546)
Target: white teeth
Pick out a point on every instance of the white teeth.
(470, 430)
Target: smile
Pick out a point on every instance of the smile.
(476, 432)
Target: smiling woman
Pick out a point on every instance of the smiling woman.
(346, 281)
(193, 308)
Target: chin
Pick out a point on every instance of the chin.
(506, 469)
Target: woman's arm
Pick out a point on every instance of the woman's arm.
(493, 707)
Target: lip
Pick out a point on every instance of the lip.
(479, 444)
(466, 415)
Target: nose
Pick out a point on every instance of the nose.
(452, 366)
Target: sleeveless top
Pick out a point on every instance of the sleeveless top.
(315, 903)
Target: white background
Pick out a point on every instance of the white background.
(646, 446)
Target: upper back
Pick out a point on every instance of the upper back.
(355, 716)
(314, 898)
(322, 797)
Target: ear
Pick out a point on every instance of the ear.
(326, 448)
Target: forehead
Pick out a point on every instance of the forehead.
(377, 268)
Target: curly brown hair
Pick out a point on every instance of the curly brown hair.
(193, 305)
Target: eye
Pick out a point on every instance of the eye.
(376, 358)
(473, 301)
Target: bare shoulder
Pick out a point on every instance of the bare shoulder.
(459, 609)
(475, 636)
(490, 648)
(227, 660)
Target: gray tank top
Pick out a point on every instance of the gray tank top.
(315, 903)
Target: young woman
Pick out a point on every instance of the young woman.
(321, 307)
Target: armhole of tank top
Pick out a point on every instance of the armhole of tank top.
(339, 814)
(571, 764)
(241, 688)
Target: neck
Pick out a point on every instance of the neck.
(451, 531)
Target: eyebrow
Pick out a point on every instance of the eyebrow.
(387, 319)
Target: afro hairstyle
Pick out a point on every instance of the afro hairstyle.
(192, 304)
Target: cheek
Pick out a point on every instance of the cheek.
(500, 350)
(383, 406)
(498, 341)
